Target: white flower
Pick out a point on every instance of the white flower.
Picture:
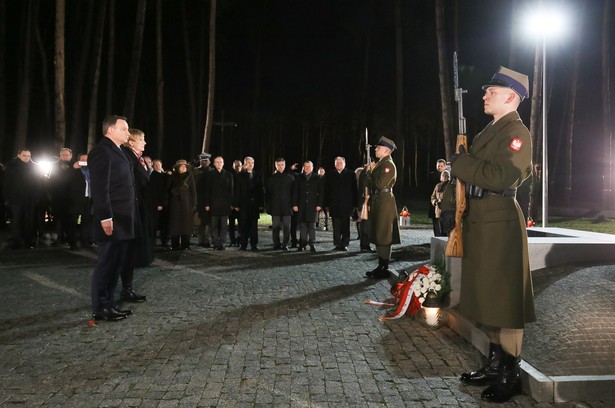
(424, 283)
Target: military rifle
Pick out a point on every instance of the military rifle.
(364, 208)
(454, 246)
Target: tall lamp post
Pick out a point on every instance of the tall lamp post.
(545, 23)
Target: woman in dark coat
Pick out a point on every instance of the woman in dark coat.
(182, 204)
(141, 249)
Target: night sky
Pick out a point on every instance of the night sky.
(312, 78)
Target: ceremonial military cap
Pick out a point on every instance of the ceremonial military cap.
(386, 142)
(510, 79)
(204, 156)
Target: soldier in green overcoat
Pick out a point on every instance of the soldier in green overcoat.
(384, 229)
(496, 285)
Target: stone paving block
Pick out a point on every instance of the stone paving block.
(227, 329)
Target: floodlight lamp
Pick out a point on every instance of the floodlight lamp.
(547, 22)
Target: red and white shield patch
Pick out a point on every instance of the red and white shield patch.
(516, 144)
(386, 169)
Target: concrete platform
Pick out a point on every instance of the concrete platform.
(568, 353)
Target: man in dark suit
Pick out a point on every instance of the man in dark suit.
(114, 214)
(219, 201)
(23, 188)
(159, 183)
(80, 207)
(308, 196)
(341, 199)
(279, 203)
(249, 201)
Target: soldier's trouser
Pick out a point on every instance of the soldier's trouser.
(509, 339)
(384, 251)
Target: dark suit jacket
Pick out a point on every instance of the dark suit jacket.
(308, 193)
(219, 192)
(145, 234)
(113, 191)
(340, 193)
(249, 194)
(280, 194)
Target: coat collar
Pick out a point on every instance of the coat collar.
(493, 129)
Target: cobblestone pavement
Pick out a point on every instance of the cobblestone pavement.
(228, 329)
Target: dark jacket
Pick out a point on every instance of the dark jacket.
(79, 203)
(219, 192)
(249, 194)
(201, 175)
(307, 195)
(159, 185)
(182, 201)
(144, 245)
(113, 192)
(59, 184)
(340, 193)
(22, 182)
(280, 194)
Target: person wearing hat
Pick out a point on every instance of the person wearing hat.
(496, 285)
(384, 230)
(202, 218)
(182, 202)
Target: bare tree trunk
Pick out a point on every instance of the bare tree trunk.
(536, 136)
(135, 61)
(110, 60)
(46, 117)
(607, 171)
(78, 84)
(159, 80)
(98, 43)
(202, 65)
(189, 75)
(399, 74)
(212, 77)
(23, 110)
(3, 78)
(257, 71)
(60, 107)
(445, 94)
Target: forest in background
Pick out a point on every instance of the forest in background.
(303, 79)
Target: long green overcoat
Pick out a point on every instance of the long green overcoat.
(383, 216)
(496, 284)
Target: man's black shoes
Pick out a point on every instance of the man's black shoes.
(109, 314)
(132, 297)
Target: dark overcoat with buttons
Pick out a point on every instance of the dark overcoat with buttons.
(496, 284)
(341, 193)
(383, 215)
(113, 191)
(308, 193)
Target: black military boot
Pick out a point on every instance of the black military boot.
(382, 272)
(371, 274)
(487, 374)
(509, 380)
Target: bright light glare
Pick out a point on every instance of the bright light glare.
(45, 167)
(547, 22)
